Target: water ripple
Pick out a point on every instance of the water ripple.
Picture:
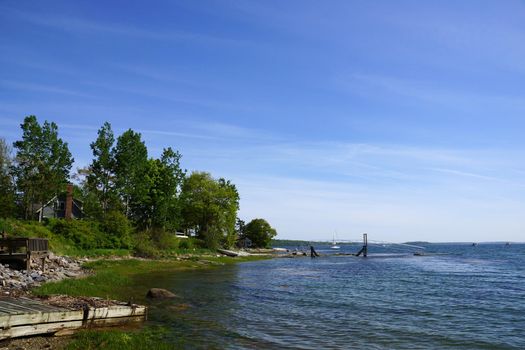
(467, 299)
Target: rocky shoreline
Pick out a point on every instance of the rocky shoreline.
(18, 282)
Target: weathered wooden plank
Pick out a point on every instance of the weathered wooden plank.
(115, 321)
(7, 321)
(11, 310)
(29, 308)
(13, 255)
(28, 301)
(38, 305)
(18, 306)
(45, 328)
(36, 318)
(116, 311)
(25, 317)
(12, 305)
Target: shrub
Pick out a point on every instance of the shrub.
(144, 246)
(197, 243)
(18, 228)
(186, 243)
(85, 234)
(117, 229)
(165, 240)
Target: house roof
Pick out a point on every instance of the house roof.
(54, 199)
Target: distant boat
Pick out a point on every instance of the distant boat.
(474, 244)
(334, 244)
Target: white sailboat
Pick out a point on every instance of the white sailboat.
(334, 244)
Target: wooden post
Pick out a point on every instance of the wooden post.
(365, 244)
(364, 250)
(28, 257)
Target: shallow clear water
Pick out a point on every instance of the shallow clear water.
(470, 298)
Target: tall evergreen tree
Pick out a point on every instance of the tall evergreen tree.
(43, 163)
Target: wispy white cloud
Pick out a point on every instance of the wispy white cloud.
(384, 166)
(425, 91)
(466, 174)
(9, 121)
(492, 35)
(313, 209)
(10, 84)
(19, 56)
(72, 24)
(163, 74)
(177, 134)
(87, 127)
(173, 95)
(228, 131)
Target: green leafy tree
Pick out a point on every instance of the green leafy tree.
(210, 207)
(131, 165)
(7, 190)
(260, 233)
(101, 172)
(43, 163)
(240, 225)
(170, 185)
(160, 207)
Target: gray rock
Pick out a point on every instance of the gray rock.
(40, 279)
(159, 293)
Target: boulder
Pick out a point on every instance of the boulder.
(159, 293)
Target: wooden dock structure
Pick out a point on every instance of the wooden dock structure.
(20, 317)
(22, 249)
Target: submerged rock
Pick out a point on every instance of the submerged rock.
(159, 293)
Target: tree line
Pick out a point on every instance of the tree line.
(123, 187)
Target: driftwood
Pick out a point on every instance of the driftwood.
(232, 253)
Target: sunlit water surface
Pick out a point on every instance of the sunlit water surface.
(468, 298)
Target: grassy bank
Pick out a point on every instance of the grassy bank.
(114, 279)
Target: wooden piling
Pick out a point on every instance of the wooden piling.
(364, 250)
(365, 244)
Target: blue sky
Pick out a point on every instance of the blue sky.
(403, 119)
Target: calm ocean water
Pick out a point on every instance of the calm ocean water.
(468, 298)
